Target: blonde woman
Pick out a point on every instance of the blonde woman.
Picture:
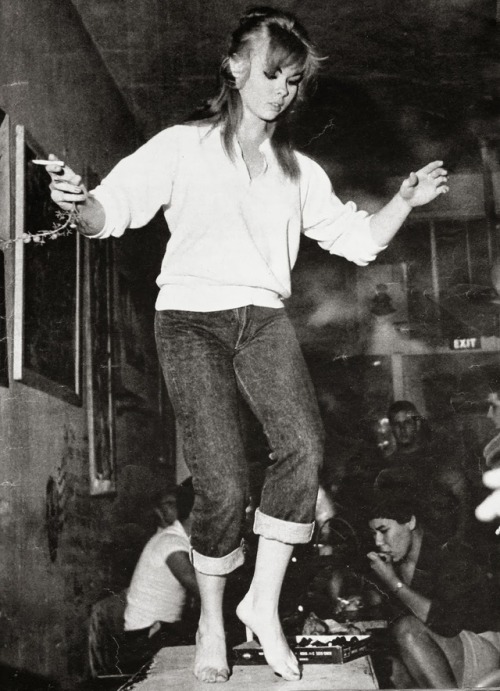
(237, 196)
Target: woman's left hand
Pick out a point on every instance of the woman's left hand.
(384, 569)
(425, 185)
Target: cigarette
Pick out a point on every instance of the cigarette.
(43, 162)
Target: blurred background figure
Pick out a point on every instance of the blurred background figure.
(159, 607)
(166, 509)
(441, 603)
(428, 466)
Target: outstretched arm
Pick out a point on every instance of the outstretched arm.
(418, 189)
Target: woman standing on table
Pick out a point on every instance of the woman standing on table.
(237, 197)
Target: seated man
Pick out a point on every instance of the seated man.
(442, 608)
(161, 584)
(428, 467)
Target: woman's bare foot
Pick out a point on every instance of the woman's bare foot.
(210, 662)
(266, 626)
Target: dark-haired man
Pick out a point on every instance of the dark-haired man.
(161, 584)
(443, 613)
(428, 467)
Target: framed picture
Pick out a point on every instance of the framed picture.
(5, 202)
(4, 360)
(99, 365)
(5, 241)
(47, 285)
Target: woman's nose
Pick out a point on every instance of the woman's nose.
(282, 88)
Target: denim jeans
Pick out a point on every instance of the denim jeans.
(209, 359)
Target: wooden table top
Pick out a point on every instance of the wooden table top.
(172, 670)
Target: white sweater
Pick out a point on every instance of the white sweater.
(234, 240)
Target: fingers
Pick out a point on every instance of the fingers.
(432, 179)
(430, 167)
(438, 172)
(66, 185)
(489, 508)
(58, 172)
(491, 478)
(64, 193)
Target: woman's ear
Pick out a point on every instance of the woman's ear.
(412, 523)
(238, 69)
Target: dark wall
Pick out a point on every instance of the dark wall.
(53, 82)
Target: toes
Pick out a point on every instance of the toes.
(211, 675)
(208, 675)
(289, 675)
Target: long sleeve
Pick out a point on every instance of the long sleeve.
(139, 184)
(339, 228)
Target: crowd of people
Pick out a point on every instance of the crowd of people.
(237, 196)
(416, 565)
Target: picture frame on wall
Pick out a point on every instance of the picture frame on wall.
(5, 242)
(47, 284)
(99, 365)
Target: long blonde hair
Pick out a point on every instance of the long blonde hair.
(288, 44)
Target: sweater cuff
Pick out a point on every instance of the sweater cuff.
(115, 210)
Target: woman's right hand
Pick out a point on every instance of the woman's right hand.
(66, 186)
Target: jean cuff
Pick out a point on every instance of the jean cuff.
(218, 566)
(282, 531)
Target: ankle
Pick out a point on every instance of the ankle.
(210, 625)
(254, 604)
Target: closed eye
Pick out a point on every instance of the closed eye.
(292, 81)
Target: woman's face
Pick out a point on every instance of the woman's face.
(392, 538)
(266, 93)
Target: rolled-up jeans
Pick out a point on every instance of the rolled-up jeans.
(209, 359)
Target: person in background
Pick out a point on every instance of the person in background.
(479, 391)
(166, 508)
(162, 583)
(489, 509)
(237, 196)
(443, 612)
(428, 466)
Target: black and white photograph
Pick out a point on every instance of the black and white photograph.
(249, 345)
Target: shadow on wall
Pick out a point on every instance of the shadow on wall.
(133, 520)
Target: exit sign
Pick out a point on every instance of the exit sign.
(468, 343)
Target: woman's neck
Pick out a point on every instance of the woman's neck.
(253, 131)
(414, 551)
(407, 566)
